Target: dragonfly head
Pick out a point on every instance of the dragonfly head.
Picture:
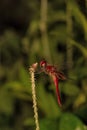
(43, 64)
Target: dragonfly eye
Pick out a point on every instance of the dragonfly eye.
(43, 64)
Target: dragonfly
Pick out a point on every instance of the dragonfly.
(56, 75)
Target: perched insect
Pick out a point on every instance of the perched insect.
(56, 76)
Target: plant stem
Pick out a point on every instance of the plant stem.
(32, 71)
(69, 34)
(43, 28)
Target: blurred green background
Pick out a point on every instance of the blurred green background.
(31, 30)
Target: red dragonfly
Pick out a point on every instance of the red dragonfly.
(56, 76)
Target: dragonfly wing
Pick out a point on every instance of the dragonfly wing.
(61, 76)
